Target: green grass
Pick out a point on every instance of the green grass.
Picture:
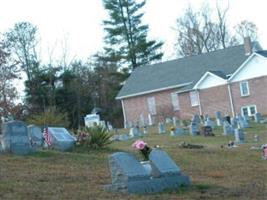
(216, 173)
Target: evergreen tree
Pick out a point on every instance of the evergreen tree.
(126, 36)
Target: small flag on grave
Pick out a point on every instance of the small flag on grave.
(47, 136)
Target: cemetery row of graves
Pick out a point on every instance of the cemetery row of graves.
(165, 160)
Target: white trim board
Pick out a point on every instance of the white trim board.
(209, 83)
(255, 66)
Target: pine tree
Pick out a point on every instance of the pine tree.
(126, 36)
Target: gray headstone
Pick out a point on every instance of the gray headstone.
(168, 120)
(242, 122)
(135, 132)
(61, 138)
(36, 136)
(162, 164)
(141, 120)
(177, 132)
(15, 138)
(124, 167)
(174, 121)
(129, 175)
(194, 128)
(162, 128)
(210, 123)
(239, 136)
(219, 118)
(234, 122)
(145, 129)
(257, 117)
(227, 128)
(196, 118)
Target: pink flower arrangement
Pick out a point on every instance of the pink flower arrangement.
(143, 148)
(139, 144)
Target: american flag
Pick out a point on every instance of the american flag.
(47, 136)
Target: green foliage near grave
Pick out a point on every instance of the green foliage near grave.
(95, 137)
(50, 117)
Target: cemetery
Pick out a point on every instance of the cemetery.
(187, 166)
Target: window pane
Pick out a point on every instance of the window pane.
(252, 110)
(245, 111)
(244, 88)
(151, 105)
(175, 101)
(194, 98)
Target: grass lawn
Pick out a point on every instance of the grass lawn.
(216, 173)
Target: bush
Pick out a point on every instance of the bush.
(94, 137)
(49, 117)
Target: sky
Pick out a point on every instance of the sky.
(76, 25)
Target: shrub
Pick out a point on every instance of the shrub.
(50, 117)
(96, 137)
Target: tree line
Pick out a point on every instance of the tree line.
(72, 90)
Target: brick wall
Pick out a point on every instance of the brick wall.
(211, 99)
(258, 95)
(215, 99)
(186, 109)
(135, 106)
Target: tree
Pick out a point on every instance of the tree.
(198, 32)
(21, 41)
(126, 36)
(8, 73)
(247, 29)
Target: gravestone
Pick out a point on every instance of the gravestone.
(168, 120)
(234, 122)
(91, 120)
(127, 174)
(61, 138)
(130, 176)
(227, 128)
(109, 126)
(161, 128)
(150, 120)
(163, 166)
(141, 120)
(177, 132)
(219, 119)
(242, 122)
(174, 121)
(196, 118)
(227, 118)
(145, 129)
(135, 132)
(36, 136)
(257, 117)
(239, 136)
(206, 131)
(122, 137)
(14, 138)
(194, 128)
(210, 123)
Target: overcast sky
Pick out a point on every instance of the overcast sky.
(77, 24)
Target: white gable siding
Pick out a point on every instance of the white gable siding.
(211, 81)
(255, 67)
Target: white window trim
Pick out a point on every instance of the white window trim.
(241, 89)
(248, 107)
(196, 102)
(175, 101)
